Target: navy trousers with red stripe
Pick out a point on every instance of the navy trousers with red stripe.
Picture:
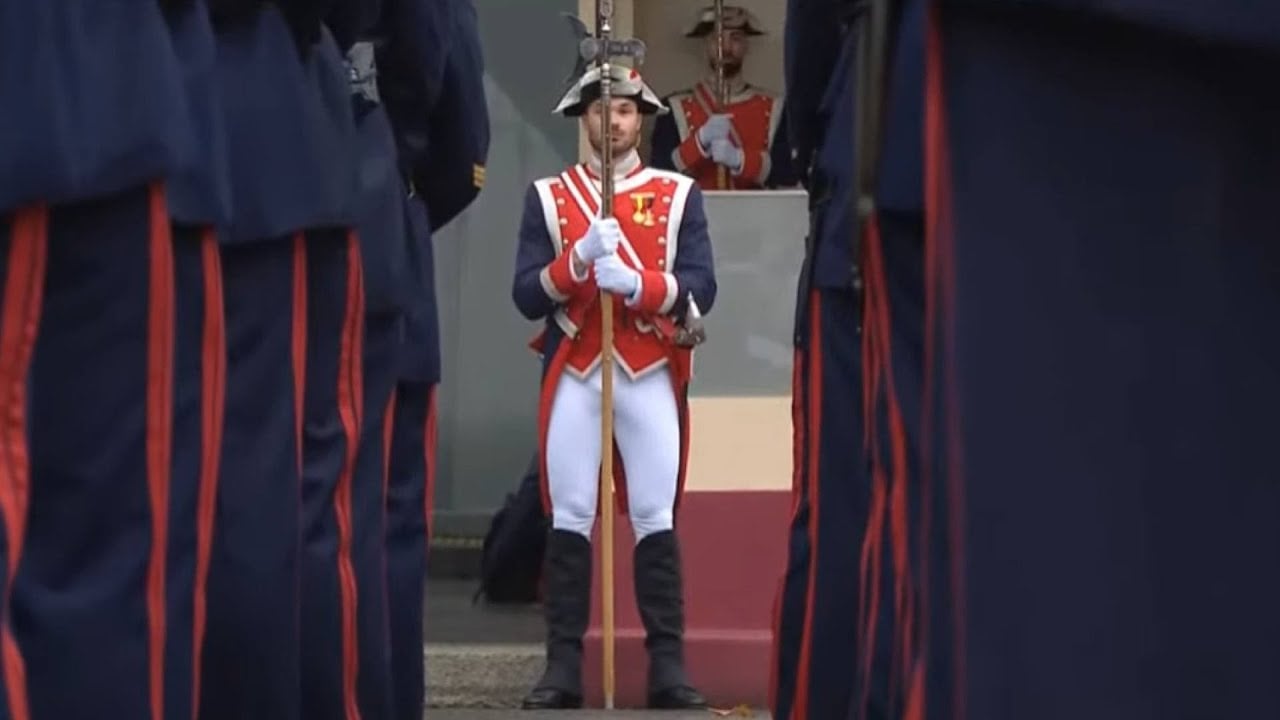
(893, 361)
(93, 586)
(817, 633)
(383, 332)
(1105, 285)
(198, 401)
(23, 254)
(251, 646)
(333, 415)
(409, 495)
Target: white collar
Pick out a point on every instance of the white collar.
(622, 166)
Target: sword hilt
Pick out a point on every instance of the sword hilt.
(691, 332)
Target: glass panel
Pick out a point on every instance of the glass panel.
(487, 407)
(758, 240)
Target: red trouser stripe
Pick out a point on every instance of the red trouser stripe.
(160, 339)
(814, 436)
(213, 385)
(939, 317)
(23, 297)
(429, 444)
(350, 406)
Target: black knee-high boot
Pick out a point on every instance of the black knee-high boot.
(568, 607)
(660, 599)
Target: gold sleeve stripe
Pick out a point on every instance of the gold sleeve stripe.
(477, 176)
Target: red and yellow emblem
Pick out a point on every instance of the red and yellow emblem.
(642, 208)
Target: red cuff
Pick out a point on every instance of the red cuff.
(658, 291)
(688, 156)
(558, 281)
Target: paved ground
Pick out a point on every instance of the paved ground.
(487, 656)
(575, 715)
(453, 618)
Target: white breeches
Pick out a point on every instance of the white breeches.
(646, 427)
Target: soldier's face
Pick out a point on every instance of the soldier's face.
(624, 119)
(735, 50)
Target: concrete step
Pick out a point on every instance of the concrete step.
(490, 675)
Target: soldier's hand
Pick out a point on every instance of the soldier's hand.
(615, 276)
(717, 127)
(601, 239)
(726, 153)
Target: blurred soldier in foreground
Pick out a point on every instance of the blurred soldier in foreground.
(820, 619)
(288, 138)
(416, 75)
(431, 80)
(654, 259)
(1032, 484)
(1103, 276)
(96, 282)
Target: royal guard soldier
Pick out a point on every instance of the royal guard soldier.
(724, 132)
(654, 261)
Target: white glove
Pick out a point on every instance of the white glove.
(727, 154)
(717, 127)
(601, 240)
(616, 276)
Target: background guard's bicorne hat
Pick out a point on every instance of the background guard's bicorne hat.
(627, 83)
(736, 17)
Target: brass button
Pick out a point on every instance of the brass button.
(564, 221)
(666, 198)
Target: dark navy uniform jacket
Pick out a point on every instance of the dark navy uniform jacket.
(431, 76)
(819, 54)
(288, 119)
(379, 188)
(1243, 24)
(91, 99)
(199, 191)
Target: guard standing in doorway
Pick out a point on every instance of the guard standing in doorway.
(723, 123)
(653, 259)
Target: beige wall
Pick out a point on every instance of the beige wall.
(739, 443)
(675, 62)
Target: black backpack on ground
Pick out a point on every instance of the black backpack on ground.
(511, 557)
